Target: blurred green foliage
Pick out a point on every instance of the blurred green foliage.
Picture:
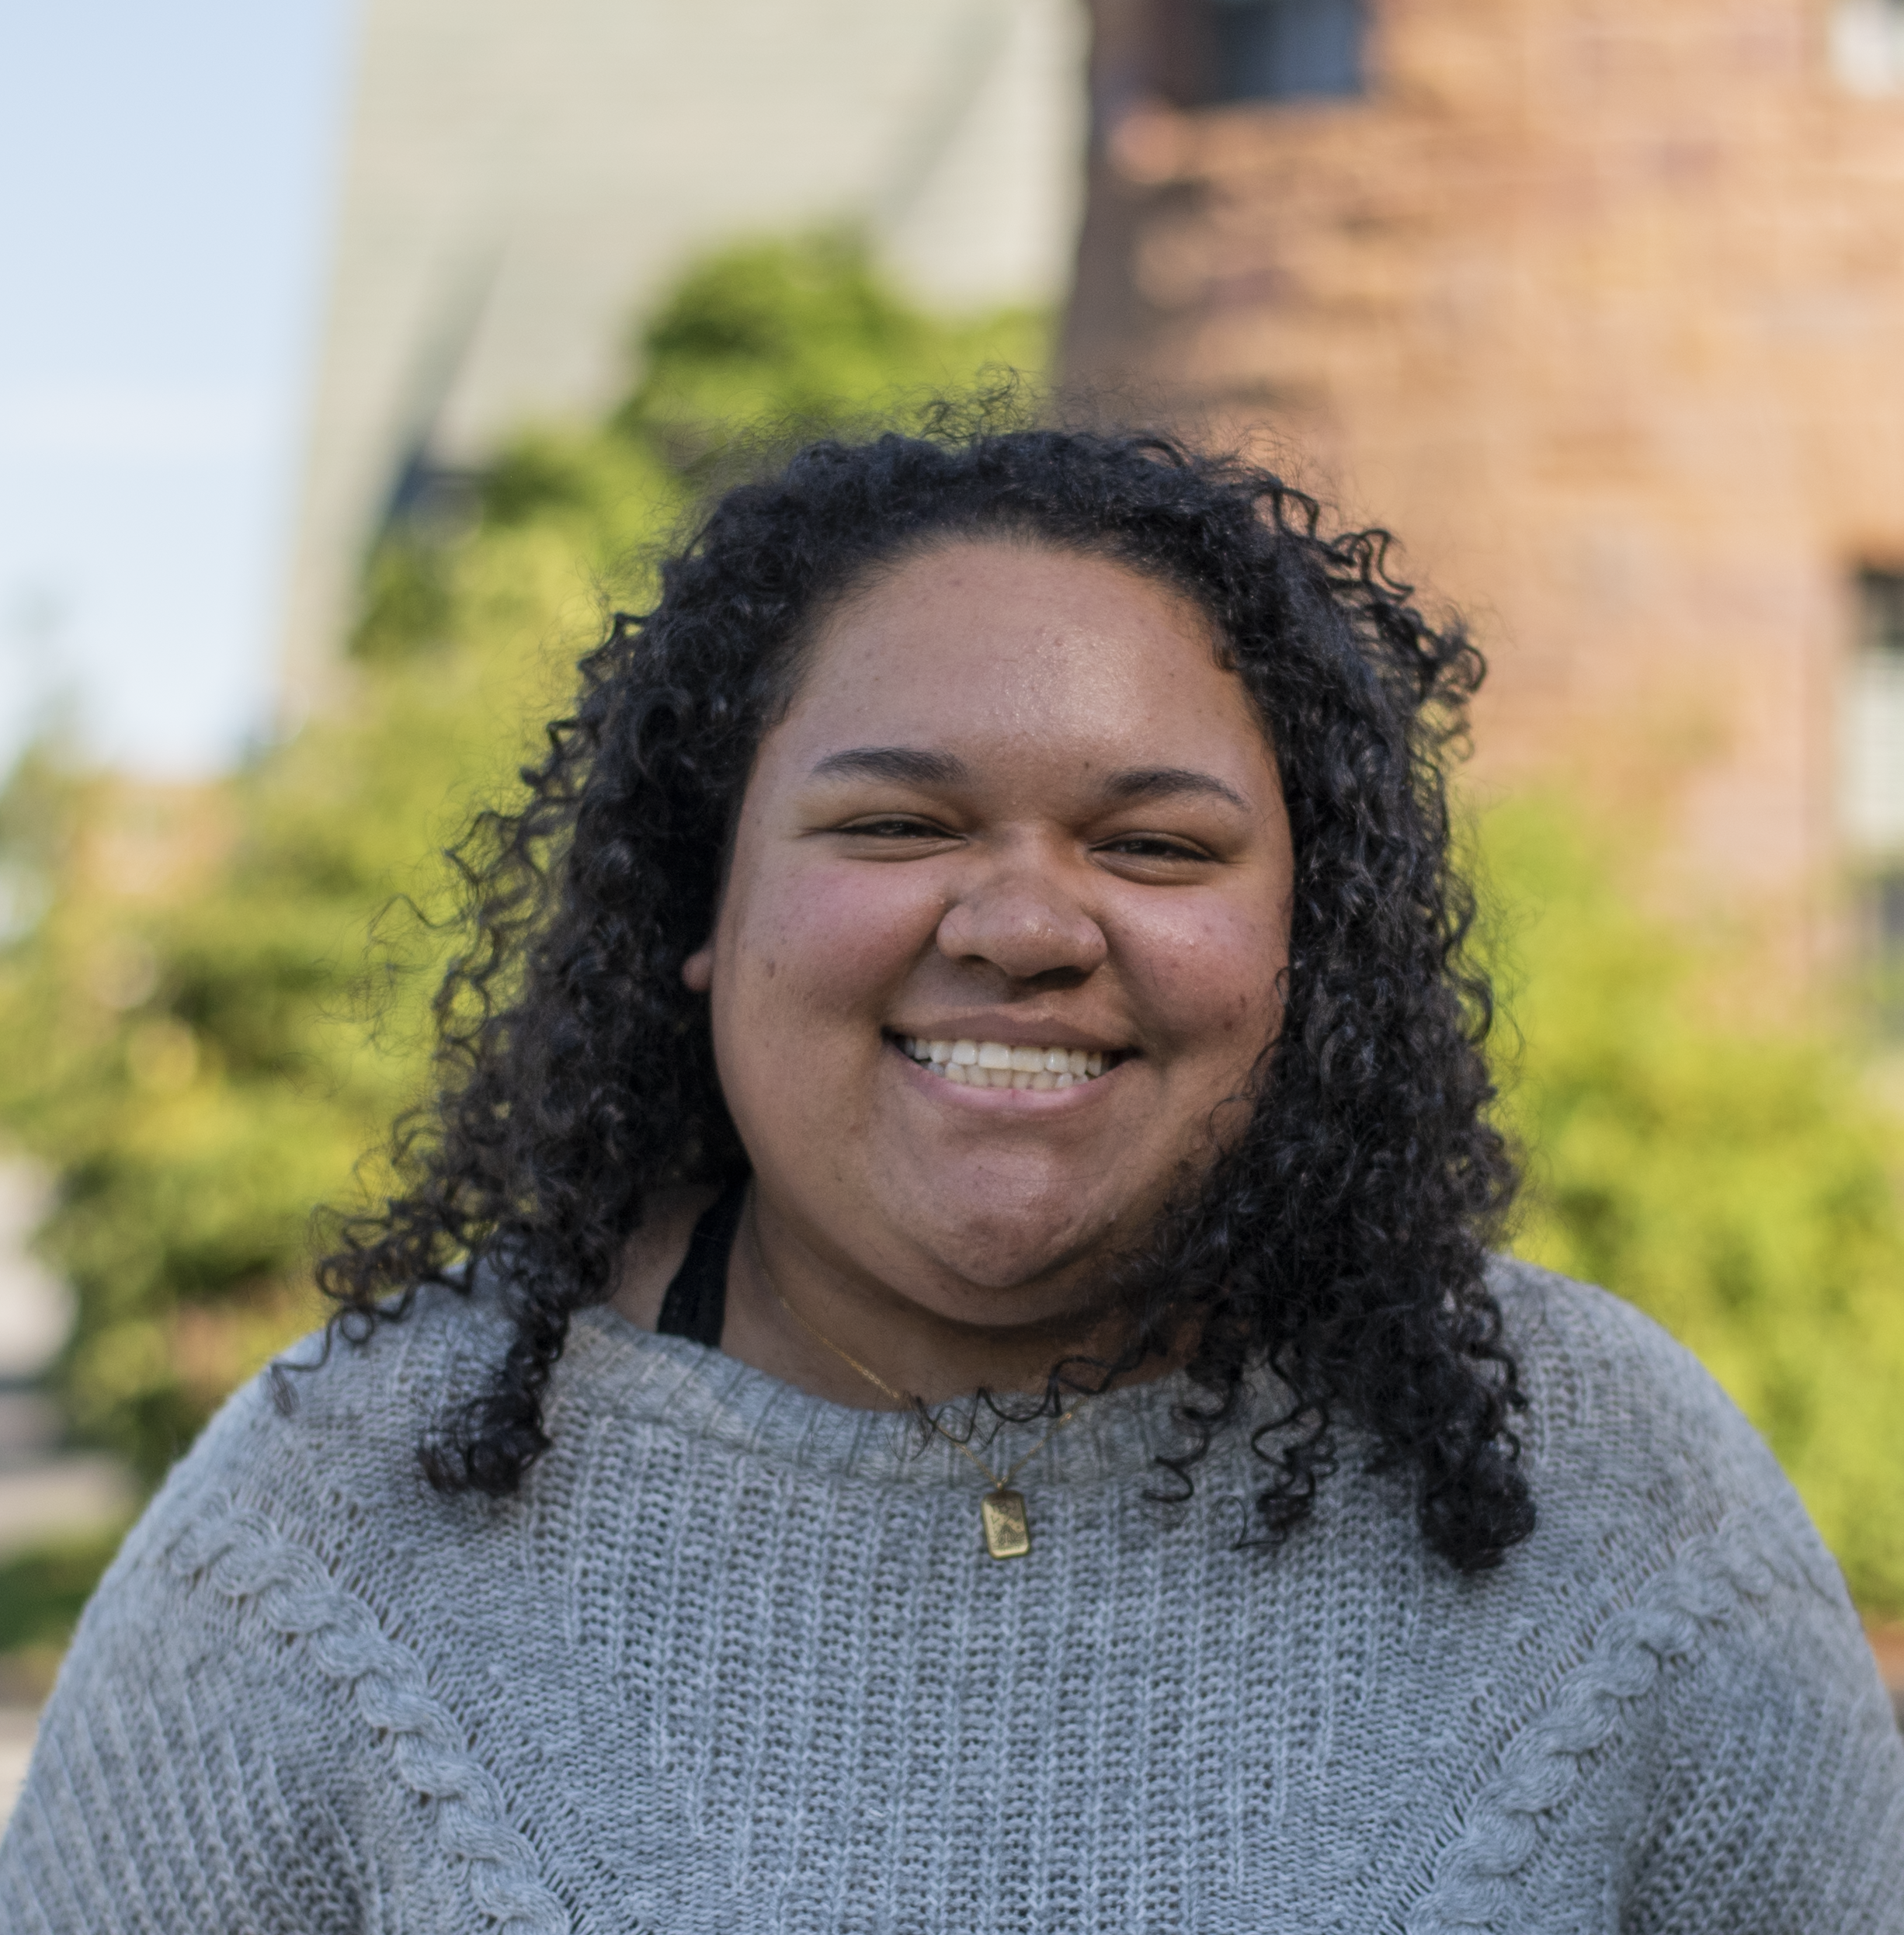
(1738, 1179)
(215, 1000)
(795, 340)
(42, 1592)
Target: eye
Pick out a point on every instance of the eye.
(894, 826)
(1151, 847)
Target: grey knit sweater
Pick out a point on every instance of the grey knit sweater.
(736, 1661)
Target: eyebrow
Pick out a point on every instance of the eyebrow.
(912, 765)
(1161, 782)
(906, 765)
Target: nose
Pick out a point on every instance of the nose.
(1024, 923)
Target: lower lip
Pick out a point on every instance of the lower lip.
(1004, 1101)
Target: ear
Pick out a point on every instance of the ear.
(697, 970)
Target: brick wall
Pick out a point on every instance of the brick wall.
(1599, 304)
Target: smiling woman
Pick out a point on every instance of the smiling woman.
(1086, 852)
(945, 1304)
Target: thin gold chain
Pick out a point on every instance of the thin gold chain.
(900, 1398)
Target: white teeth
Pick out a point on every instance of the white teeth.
(998, 1064)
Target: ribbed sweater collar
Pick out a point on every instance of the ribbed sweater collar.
(614, 1370)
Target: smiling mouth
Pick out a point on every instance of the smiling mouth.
(996, 1065)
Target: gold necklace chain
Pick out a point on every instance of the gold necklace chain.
(1001, 1512)
(899, 1397)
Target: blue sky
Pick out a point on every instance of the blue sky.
(166, 179)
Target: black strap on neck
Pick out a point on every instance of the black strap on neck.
(696, 1303)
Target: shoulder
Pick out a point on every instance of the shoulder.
(1694, 1629)
(1653, 1489)
(1620, 1411)
(1664, 1517)
(325, 1438)
(302, 1499)
(243, 1636)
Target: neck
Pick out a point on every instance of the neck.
(799, 1315)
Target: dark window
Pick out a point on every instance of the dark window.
(1282, 50)
(1881, 611)
(1873, 779)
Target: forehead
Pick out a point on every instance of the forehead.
(1002, 640)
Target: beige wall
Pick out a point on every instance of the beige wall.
(1599, 304)
(524, 175)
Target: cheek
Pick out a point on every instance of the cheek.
(828, 941)
(1207, 975)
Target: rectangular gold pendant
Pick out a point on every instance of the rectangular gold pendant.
(1008, 1531)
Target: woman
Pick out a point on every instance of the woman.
(939, 1368)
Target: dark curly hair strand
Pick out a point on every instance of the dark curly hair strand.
(1341, 1240)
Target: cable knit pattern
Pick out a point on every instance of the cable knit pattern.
(1753, 1552)
(243, 1556)
(735, 1663)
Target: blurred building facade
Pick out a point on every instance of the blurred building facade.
(522, 177)
(1599, 304)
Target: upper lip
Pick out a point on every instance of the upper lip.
(1012, 1034)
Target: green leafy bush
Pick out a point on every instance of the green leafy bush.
(43, 1590)
(1736, 1179)
(203, 1037)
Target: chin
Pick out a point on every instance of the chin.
(1006, 1253)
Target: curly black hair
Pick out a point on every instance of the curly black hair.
(1342, 1239)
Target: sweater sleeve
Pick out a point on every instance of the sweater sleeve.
(187, 1777)
(244, 1735)
(1777, 1805)
(192, 1769)
(1721, 1750)
(199, 1765)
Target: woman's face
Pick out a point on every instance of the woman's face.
(1016, 807)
